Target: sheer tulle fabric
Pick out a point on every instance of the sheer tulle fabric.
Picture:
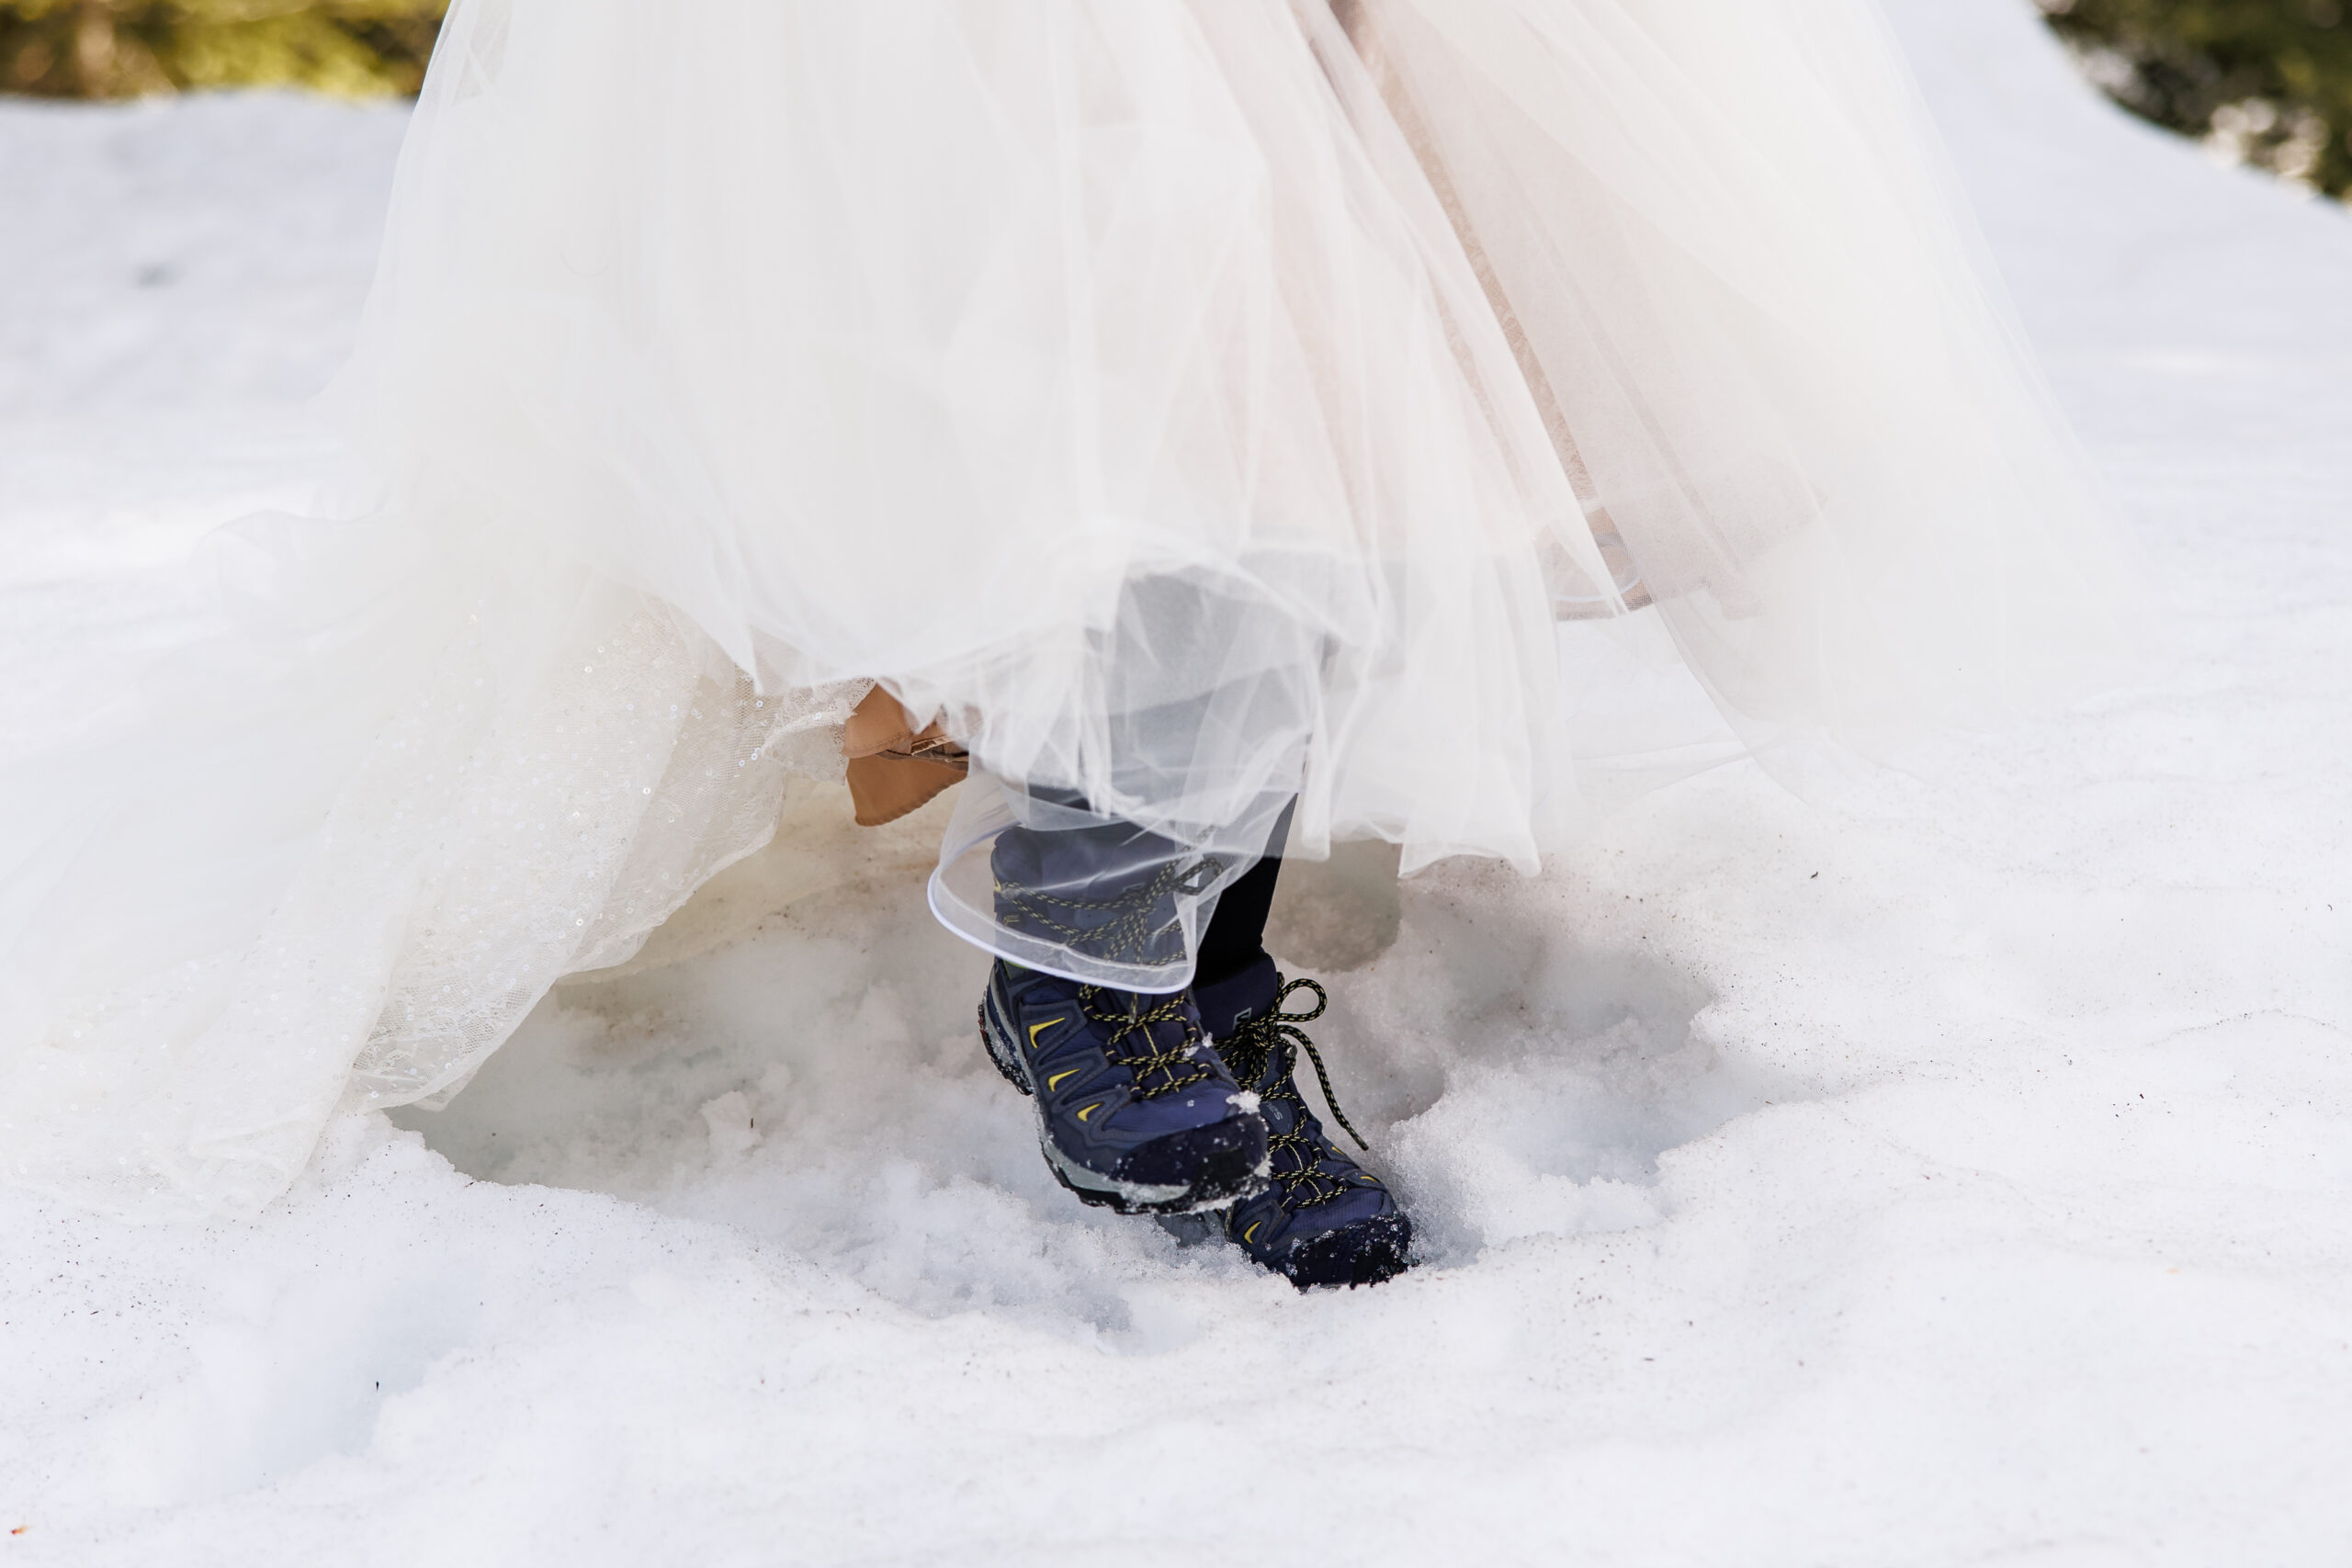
(1195, 403)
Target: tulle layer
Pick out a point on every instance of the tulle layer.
(1194, 400)
(355, 841)
(1196, 405)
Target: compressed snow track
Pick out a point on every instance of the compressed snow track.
(1963, 1176)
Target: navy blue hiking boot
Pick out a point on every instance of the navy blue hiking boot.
(1323, 1220)
(1134, 1109)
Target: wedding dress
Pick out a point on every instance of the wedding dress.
(1191, 406)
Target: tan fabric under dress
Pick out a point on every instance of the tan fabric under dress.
(894, 768)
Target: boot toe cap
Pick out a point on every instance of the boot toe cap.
(1220, 1160)
(1362, 1251)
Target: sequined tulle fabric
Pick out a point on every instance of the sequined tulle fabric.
(1430, 412)
(502, 812)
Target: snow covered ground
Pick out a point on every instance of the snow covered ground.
(1963, 1176)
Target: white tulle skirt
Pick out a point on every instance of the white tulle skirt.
(1194, 405)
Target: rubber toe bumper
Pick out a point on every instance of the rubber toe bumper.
(1365, 1253)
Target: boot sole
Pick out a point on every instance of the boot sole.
(1227, 1176)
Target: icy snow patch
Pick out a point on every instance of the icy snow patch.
(815, 1079)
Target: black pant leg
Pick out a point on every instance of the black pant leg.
(1236, 934)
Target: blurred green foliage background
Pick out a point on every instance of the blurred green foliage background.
(114, 48)
(2264, 82)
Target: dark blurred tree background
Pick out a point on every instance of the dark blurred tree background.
(2262, 81)
(115, 49)
(2266, 82)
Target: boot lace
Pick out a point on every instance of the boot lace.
(1249, 1051)
(1176, 1065)
(1131, 934)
